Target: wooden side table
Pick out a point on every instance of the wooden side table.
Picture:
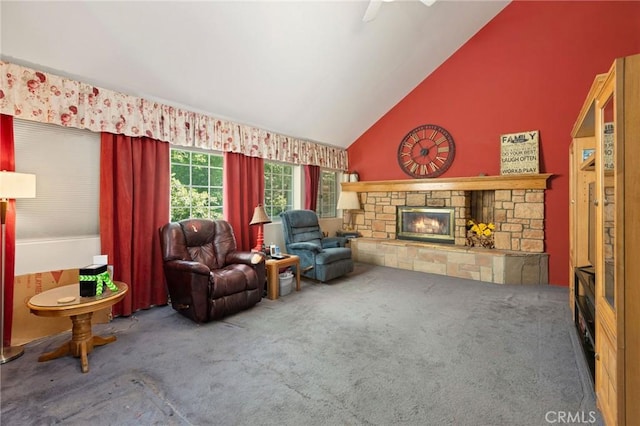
(349, 235)
(65, 301)
(273, 268)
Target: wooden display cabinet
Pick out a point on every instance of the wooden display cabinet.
(582, 223)
(605, 237)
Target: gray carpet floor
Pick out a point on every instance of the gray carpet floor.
(380, 347)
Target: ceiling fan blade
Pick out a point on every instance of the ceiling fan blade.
(372, 10)
(428, 2)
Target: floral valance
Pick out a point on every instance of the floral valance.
(48, 98)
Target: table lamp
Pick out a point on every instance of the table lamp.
(12, 185)
(347, 201)
(259, 218)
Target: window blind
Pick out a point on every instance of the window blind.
(66, 162)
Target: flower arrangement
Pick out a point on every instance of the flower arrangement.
(480, 234)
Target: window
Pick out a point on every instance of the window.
(66, 162)
(327, 194)
(278, 188)
(196, 185)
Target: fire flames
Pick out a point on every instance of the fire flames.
(427, 225)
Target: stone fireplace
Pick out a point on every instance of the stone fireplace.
(425, 224)
(514, 203)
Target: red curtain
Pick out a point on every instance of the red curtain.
(311, 186)
(8, 163)
(134, 204)
(243, 185)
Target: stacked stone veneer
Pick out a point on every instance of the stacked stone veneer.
(518, 215)
(519, 236)
(494, 266)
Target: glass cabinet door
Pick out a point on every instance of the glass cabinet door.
(607, 205)
(609, 197)
(607, 148)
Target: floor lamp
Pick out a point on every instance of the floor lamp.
(259, 218)
(347, 201)
(12, 185)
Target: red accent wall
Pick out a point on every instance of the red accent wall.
(530, 68)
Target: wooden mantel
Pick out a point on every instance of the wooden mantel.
(475, 183)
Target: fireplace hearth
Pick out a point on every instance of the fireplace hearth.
(425, 224)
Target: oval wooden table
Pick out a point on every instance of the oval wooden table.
(65, 301)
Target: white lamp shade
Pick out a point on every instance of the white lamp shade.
(348, 200)
(17, 185)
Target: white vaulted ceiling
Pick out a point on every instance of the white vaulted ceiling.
(307, 69)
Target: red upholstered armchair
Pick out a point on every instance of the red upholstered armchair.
(207, 277)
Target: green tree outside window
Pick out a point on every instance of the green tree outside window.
(196, 185)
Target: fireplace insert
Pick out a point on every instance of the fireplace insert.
(428, 224)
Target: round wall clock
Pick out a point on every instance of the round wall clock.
(427, 151)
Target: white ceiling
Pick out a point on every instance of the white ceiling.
(307, 69)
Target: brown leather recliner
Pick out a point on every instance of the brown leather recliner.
(207, 277)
